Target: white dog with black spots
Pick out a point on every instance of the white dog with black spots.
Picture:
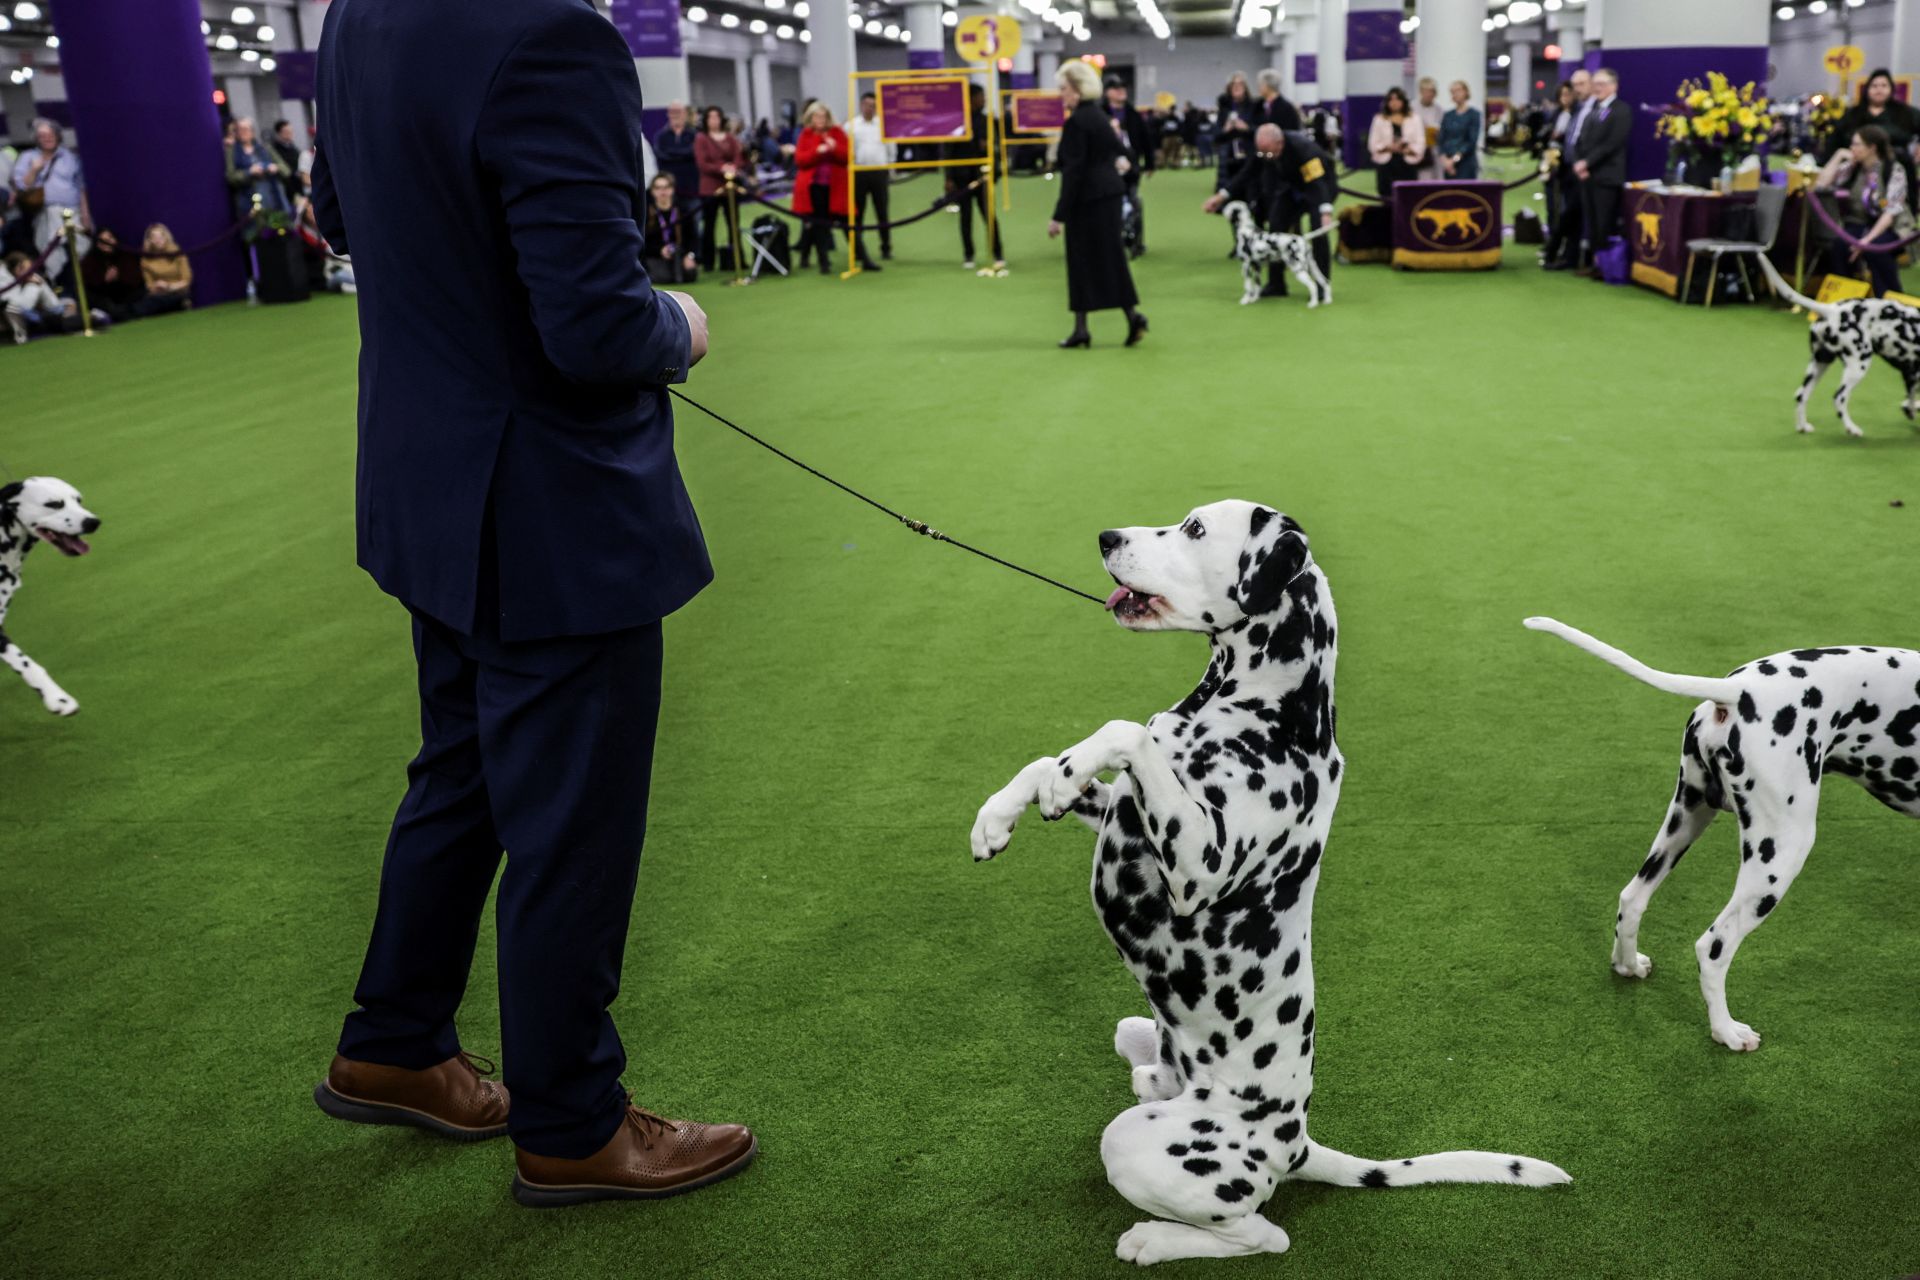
(1256, 248)
(1210, 840)
(35, 510)
(1854, 332)
(1757, 748)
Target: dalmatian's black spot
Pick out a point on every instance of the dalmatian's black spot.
(1200, 1167)
(1374, 1178)
(1765, 905)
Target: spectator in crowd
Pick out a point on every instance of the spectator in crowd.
(1878, 108)
(1136, 140)
(1092, 165)
(1563, 248)
(167, 273)
(716, 154)
(870, 185)
(33, 303)
(673, 153)
(1873, 189)
(288, 152)
(1460, 135)
(1600, 159)
(668, 231)
(961, 180)
(1288, 178)
(1397, 140)
(1273, 108)
(47, 182)
(1196, 130)
(820, 159)
(111, 271)
(1233, 127)
(254, 170)
(1430, 111)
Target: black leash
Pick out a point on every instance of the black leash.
(918, 526)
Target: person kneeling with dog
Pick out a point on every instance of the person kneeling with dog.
(1287, 177)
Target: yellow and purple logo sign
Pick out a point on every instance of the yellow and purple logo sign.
(1452, 220)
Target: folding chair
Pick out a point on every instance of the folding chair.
(1769, 205)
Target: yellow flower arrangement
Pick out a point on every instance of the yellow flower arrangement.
(1717, 115)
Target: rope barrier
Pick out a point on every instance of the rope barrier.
(1820, 207)
(33, 268)
(834, 221)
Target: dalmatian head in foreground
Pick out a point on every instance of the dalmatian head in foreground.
(1226, 562)
(46, 509)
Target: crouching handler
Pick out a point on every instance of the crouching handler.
(518, 493)
(1287, 178)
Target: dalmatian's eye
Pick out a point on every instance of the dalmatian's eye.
(1193, 529)
(56, 504)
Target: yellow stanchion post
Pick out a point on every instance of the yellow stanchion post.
(70, 231)
(740, 276)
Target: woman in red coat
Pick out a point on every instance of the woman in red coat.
(820, 157)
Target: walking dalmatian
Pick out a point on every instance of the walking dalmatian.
(1257, 248)
(1758, 747)
(1854, 332)
(1210, 839)
(38, 509)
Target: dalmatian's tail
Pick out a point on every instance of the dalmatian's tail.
(1324, 1164)
(1712, 690)
(1825, 310)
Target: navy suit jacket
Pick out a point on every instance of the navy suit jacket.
(481, 162)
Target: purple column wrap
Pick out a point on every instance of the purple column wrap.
(926, 59)
(141, 92)
(1654, 75)
(1023, 80)
(1306, 68)
(1373, 35)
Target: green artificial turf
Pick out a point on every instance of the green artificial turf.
(924, 1045)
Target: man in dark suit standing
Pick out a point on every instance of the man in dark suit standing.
(1600, 160)
(517, 491)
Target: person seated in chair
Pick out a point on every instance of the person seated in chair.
(169, 276)
(33, 306)
(669, 236)
(1872, 192)
(112, 275)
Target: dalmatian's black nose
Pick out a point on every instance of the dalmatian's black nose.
(90, 524)
(1108, 541)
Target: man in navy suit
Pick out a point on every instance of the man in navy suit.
(517, 491)
(1600, 159)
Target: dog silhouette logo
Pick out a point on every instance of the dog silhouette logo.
(1646, 228)
(1456, 219)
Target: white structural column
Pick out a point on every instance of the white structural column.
(926, 37)
(743, 89)
(1025, 74)
(1375, 48)
(653, 33)
(1331, 65)
(1655, 44)
(760, 77)
(1520, 66)
(1450, 45)
(240, 101)
(1302, 71)
(1570, 33)
(1906, 38)
(830, 53)
(1047, 56)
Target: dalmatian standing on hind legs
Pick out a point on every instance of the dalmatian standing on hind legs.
(38, 509)
(1210, 838)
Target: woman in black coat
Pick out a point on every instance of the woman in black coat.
(1091, 164)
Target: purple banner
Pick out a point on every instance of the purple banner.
(1306, 68)
(1023, 80)
(297, 69)
(651, 27)
(924, 110)
(1355, 121)
(926, 59)
(1446, 224)
(1373, 35)
(1038, 112)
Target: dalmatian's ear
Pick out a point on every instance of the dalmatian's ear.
(10, 493)
(1275, 553)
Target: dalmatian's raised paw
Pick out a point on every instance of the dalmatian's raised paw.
(1638, 967)
(1154, 1083)
(993, 827)
(61, 704)
(1062, 786)
(1737, 1036)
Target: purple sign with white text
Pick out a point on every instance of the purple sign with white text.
(924, 110)
(651, 27)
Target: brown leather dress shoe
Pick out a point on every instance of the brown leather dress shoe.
(451, 1099)
(648, 1158)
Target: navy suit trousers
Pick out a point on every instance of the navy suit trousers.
(542, 749)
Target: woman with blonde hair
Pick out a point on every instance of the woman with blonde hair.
(820, 158)
(1093, 166)
(1460, 135)
(167, 272)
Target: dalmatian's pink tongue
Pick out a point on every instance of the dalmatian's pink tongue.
(65, 543)
(1119, 594)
